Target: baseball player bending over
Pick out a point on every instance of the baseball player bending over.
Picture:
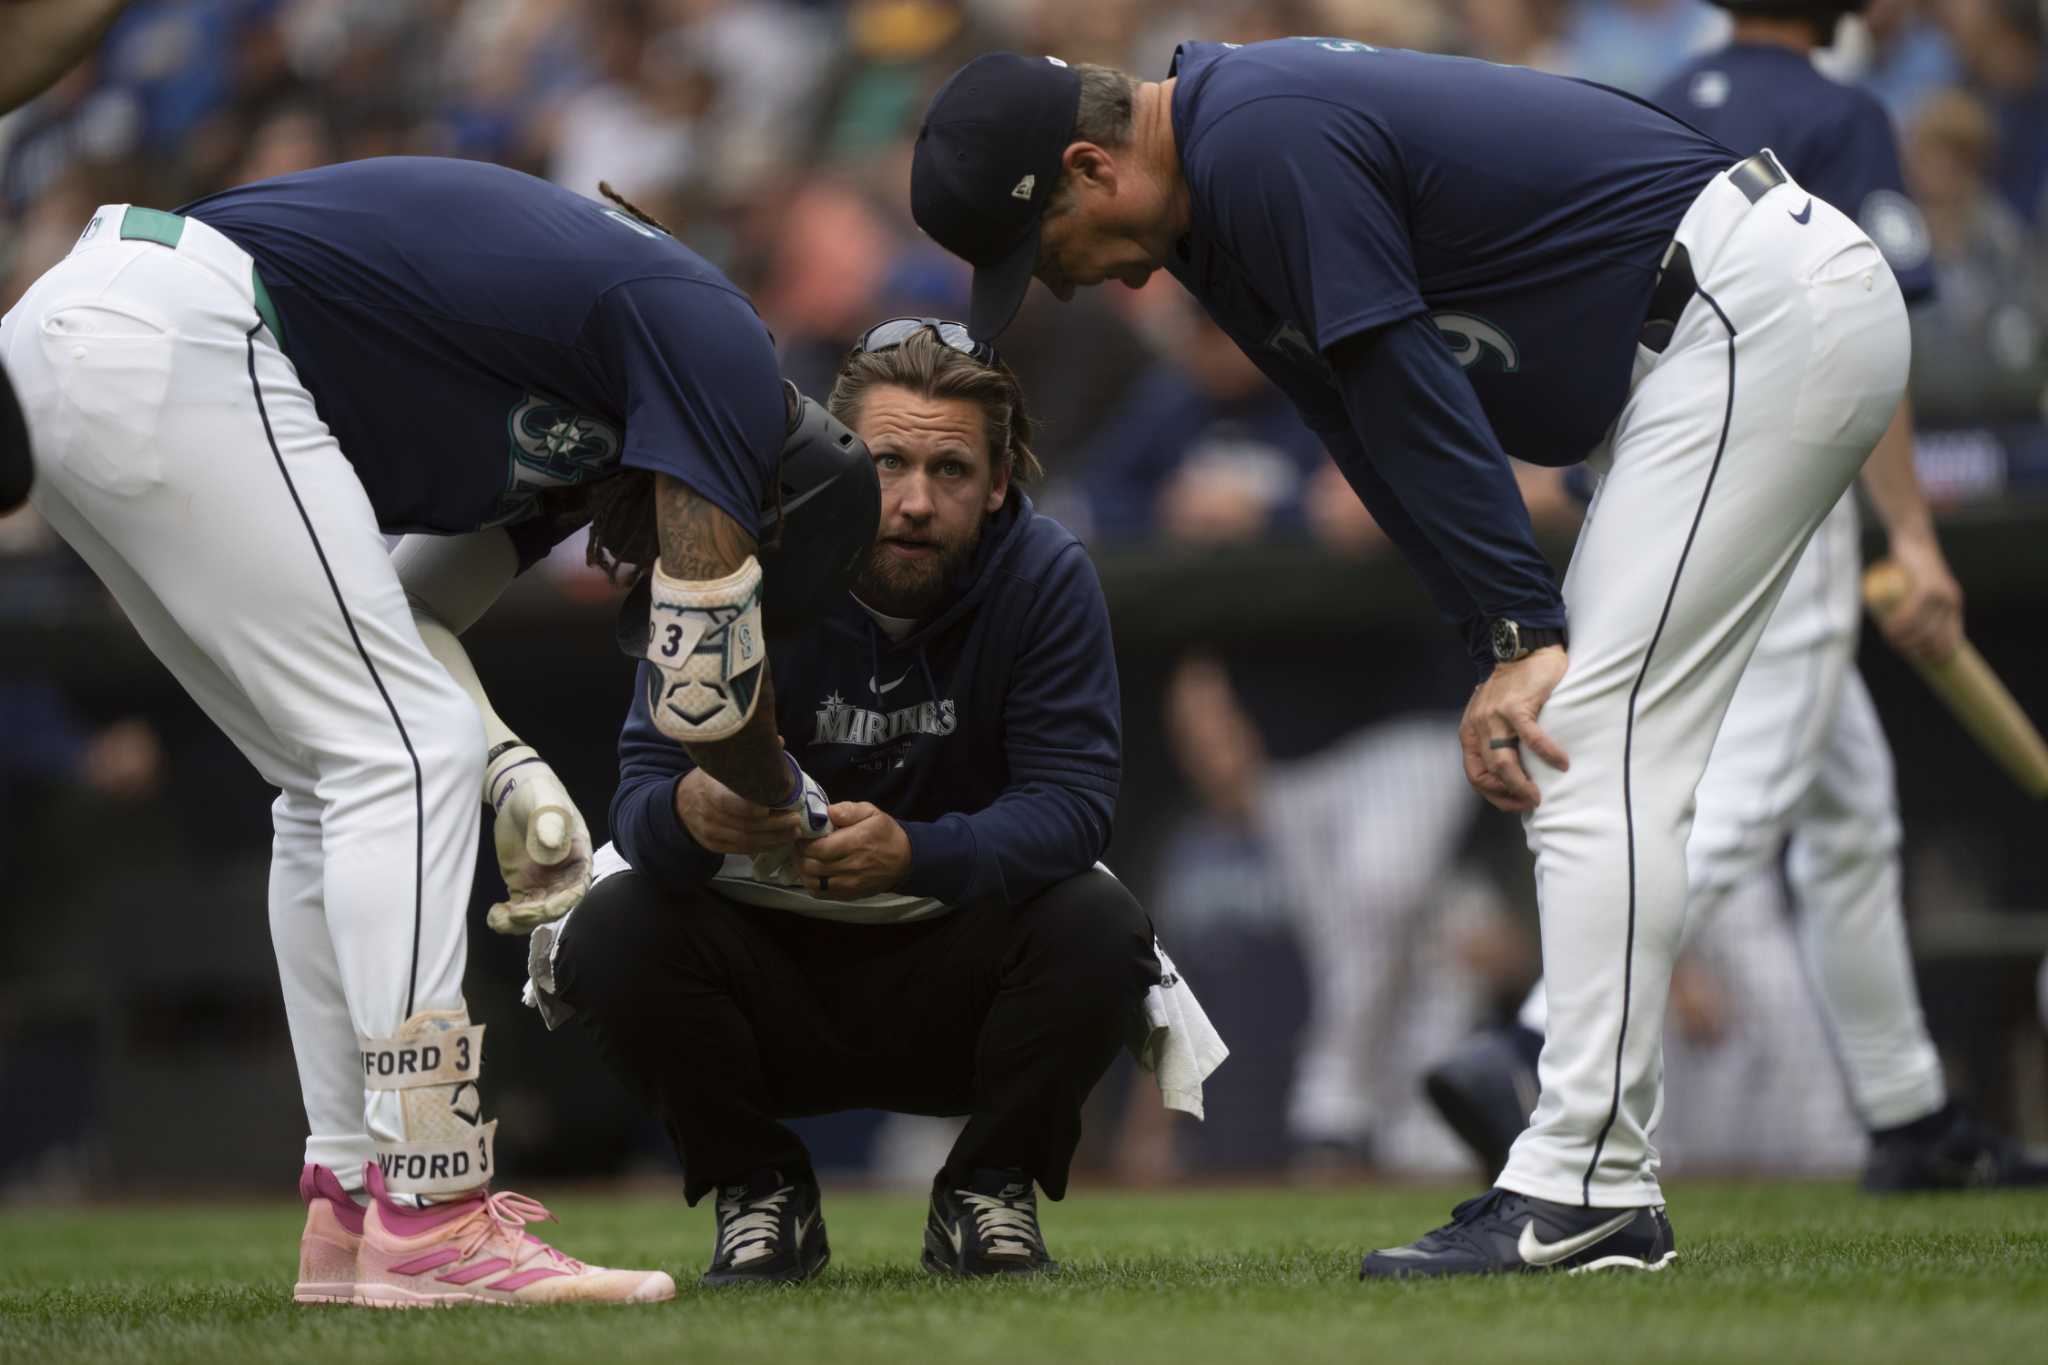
(951, 946)
(1442, 260)
(1801, 765)
(231, 406)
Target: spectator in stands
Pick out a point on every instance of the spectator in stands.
(1634, 44)
(1203, 449)
(2002, 47)
(1978, 348)
(1516, 32)
(1900, 55)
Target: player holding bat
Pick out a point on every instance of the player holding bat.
(1801, 766)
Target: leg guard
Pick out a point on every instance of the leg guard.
(433, 1065)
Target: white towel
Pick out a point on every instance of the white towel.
(1169, 1035)
(1173, 1039)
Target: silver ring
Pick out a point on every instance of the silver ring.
(1504, 743)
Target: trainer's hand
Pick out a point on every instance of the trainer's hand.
(723, 821)
(543, 844)
(1927, 623)
(1505, 707)
(866, 853)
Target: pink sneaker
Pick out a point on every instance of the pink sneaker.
(477, 1250)
(327, 1248)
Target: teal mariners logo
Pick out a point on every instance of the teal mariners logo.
(552, 446)
(1477, 344)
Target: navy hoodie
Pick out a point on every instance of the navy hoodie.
(991, 733)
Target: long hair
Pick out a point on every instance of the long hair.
(930, 368)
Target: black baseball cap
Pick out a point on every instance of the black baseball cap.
(987, 159)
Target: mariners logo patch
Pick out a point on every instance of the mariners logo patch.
(1476, 343)
(552, 446)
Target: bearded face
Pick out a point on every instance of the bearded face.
(939, 485)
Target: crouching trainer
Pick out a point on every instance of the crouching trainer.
(951, 946)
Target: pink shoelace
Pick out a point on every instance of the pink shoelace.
(508, 1216)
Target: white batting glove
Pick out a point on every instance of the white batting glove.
(809, 803)
(543, 844)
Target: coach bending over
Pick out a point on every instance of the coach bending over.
(951, 946)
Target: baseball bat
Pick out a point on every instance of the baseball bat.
(1971, 690)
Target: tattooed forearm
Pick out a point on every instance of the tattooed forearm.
(698, 541)
(751, 761)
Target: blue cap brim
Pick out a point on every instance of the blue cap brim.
(999, 289)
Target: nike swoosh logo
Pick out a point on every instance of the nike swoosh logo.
(952, 1231)
(1535, 1251)
(803, 1228)
(1803, 214)
(884, 689)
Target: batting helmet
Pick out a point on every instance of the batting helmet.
(818, 521)
(819, 518)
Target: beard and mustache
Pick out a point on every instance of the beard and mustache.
(912, 588)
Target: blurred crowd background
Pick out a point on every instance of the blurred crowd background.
(1293, 814)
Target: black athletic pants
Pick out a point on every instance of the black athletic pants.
(729, 1017)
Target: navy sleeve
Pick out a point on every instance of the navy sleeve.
(1861, 177)
(703, 393)
(643, 815)
(562, 513)
(1438, 482)
(1308, 197)
(1063, 737)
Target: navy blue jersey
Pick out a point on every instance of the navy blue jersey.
(1338, 187)
(475, 338)
(1835, 139)
(1437, 259)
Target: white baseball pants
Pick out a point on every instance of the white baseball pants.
(1733, 446)
(1802, 761)
(178, 453)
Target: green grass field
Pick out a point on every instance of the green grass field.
(1780, 1273)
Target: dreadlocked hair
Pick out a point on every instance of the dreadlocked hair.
(623, 537)
(604, 187)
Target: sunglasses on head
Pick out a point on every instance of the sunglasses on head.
(887, 336)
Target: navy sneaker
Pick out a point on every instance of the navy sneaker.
(770, 1231)
(1501, 1232)
(987, 1226)
(1486, 1090)
(1947, 1150)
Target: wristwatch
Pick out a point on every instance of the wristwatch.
(1512, 640)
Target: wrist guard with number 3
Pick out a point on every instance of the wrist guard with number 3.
(705, 642)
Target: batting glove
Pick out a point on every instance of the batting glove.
(543, 844)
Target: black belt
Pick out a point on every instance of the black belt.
(1756, 177)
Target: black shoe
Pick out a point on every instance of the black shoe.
(1947, 1150)
(1486, 1090)
(769, 1232)
(988, 1226)
(1501, 1232)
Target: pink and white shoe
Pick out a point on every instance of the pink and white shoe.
(328, 1246)
(477, 1250)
